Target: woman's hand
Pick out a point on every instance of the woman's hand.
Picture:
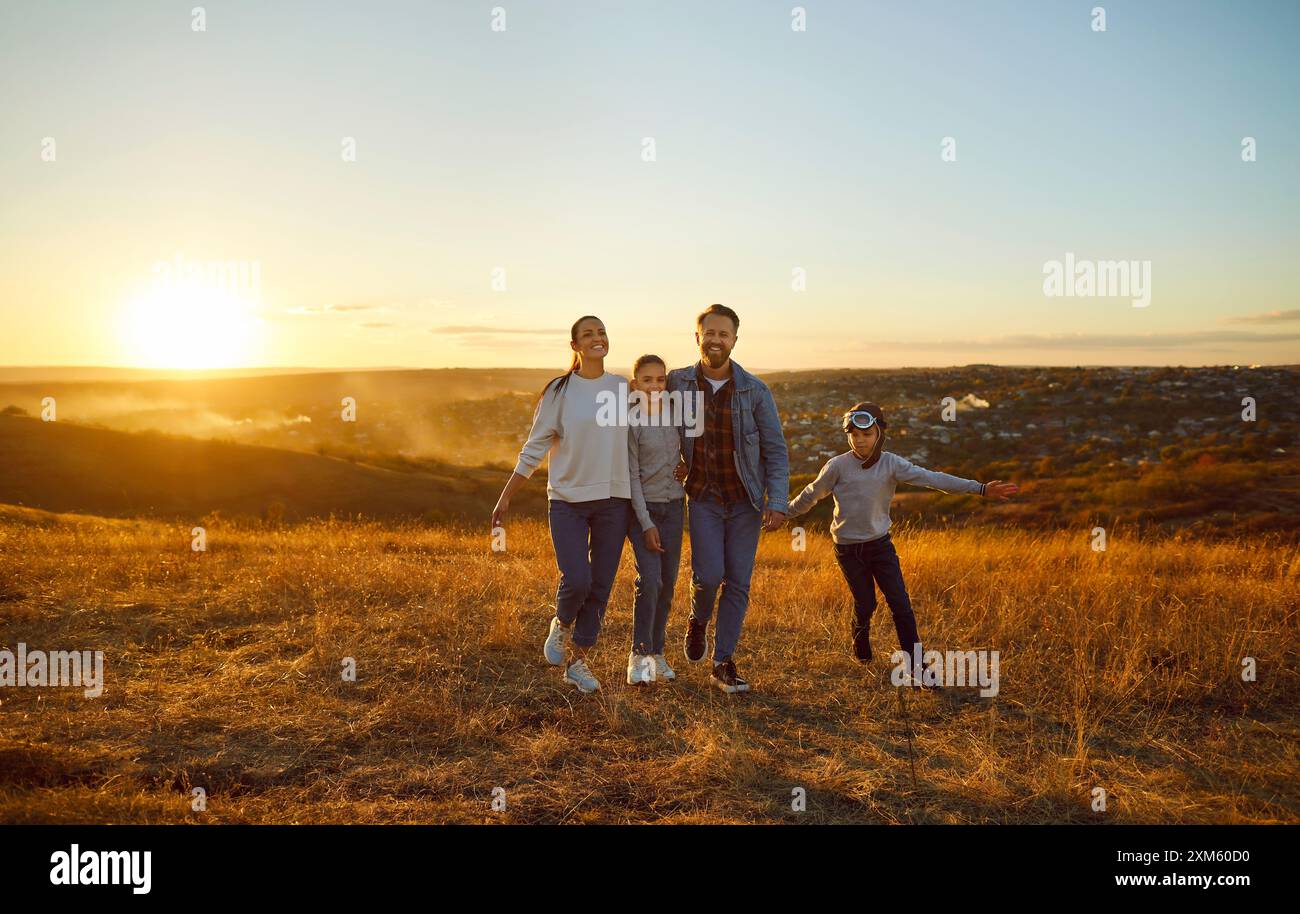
(1000, 490)
(503, 503)
(681, 471)
(652, 540)
(499, 512)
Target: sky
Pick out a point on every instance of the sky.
(410, 184)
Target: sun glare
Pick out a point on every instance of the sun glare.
(190, 327)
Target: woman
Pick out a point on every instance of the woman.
(588, 494)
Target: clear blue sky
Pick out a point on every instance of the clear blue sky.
(775, 150)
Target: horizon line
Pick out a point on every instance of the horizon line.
(540, 368)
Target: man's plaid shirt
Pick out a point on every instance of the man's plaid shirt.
(713, 464)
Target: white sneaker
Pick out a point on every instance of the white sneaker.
(916, 679)
(640, 669)
(662, 669)
(557, 643)
(578, 674)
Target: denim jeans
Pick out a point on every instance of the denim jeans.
(866, 565)
(656, 574)
(724, 541)
(588, 538)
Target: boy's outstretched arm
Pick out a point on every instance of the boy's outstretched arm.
(906, 471)
(815, 491)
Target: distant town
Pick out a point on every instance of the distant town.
(1202, 446)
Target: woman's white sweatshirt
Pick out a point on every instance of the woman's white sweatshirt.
(588, 458)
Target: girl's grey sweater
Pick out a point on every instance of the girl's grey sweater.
(653, 452)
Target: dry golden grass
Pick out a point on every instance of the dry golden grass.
(1119, 670)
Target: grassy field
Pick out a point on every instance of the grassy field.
(1119, 670)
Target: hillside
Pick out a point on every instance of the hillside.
(64, 467)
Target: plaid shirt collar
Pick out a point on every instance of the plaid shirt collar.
(702, 380)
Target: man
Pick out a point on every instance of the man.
(737, 480)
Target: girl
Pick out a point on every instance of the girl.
(588, 495)
(654, 449)
(863, 482)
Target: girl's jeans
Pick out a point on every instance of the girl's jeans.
(866, 565)
(656, 574)
(588, 538)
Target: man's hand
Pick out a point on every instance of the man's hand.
(1000, 490)
(773, 520)
(681, 470)
(652, 540)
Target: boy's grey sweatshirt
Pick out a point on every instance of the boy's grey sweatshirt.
(862, 497)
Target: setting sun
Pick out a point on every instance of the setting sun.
(191, 327)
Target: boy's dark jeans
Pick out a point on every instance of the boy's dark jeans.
(866, 565)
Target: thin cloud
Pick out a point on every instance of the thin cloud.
(467, 329)
(1097, 340)
(493, 342)
(1267, 317)
(314, 310)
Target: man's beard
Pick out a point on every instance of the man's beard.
(715, 359)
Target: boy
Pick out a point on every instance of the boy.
(863, 482)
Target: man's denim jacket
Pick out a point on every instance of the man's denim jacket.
(761, 456)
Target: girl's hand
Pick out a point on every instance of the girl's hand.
(499, 512)
(652, 540)
(680, 472)
(1000, 490)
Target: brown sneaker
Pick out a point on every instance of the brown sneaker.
(696, 640)
(726, 678)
